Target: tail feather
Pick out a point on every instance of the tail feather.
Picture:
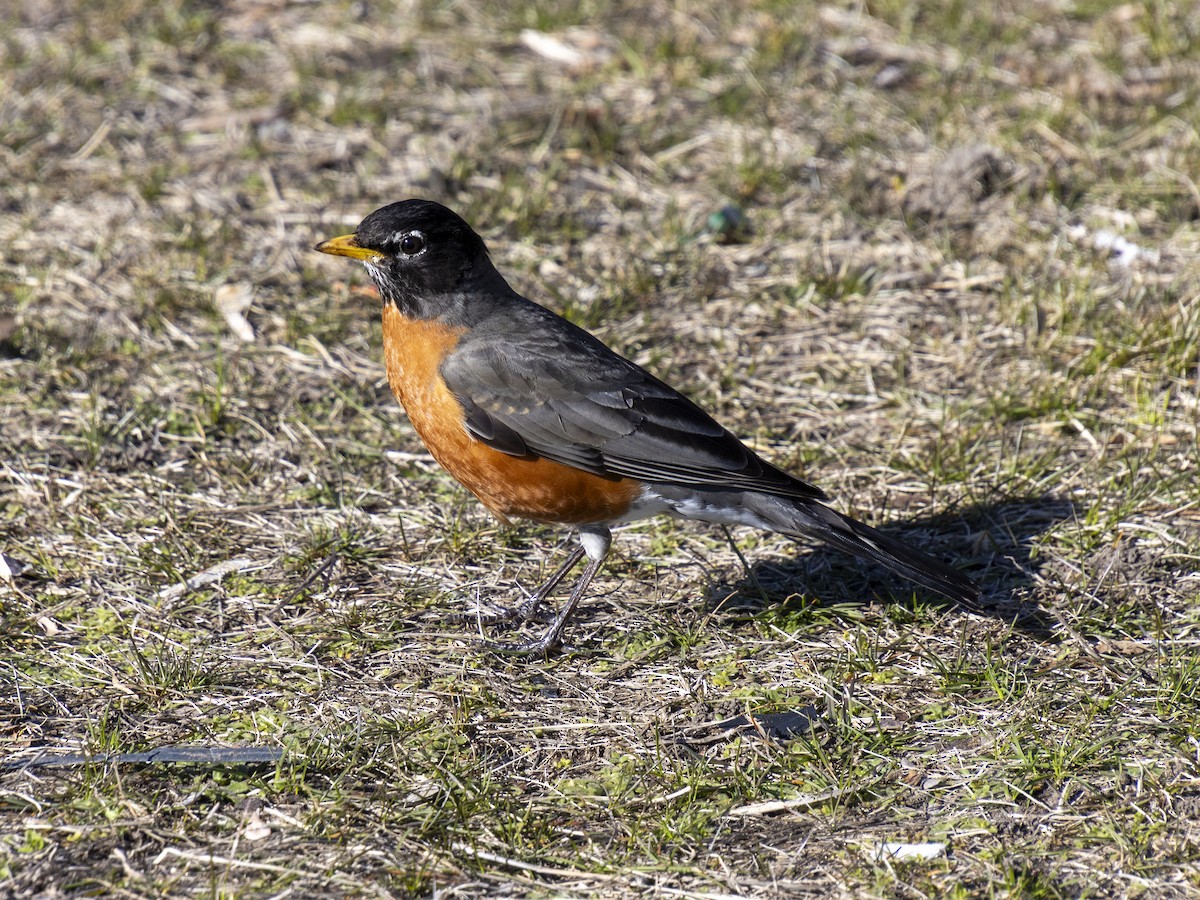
(814, 520)
(811, 519)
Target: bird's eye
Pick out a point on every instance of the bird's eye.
(412, 243)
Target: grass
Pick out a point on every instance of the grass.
(225, 543)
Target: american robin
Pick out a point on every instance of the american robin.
(540, 420)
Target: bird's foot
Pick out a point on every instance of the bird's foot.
(542, 646)
(528, 611)
(552, 639)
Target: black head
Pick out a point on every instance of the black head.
(416, 251)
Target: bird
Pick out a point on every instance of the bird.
(541, 420)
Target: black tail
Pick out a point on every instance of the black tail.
(863, 541)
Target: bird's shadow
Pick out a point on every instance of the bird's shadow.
(989, 542)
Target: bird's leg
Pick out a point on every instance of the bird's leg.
(526, 609)
(594, 540)
(548, 641)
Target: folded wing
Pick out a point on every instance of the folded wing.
(561, 394)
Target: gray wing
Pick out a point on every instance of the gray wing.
(556, 391)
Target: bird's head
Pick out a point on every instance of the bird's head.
(416, 251)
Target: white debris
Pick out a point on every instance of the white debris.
(232, 302)
(1121, 251)
(902, 852)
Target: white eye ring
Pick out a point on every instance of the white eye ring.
(410, 243)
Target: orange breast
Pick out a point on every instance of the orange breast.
(509, 486)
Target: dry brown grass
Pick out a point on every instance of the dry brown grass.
(934, 318)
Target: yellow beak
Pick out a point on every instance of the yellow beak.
(347, 245)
